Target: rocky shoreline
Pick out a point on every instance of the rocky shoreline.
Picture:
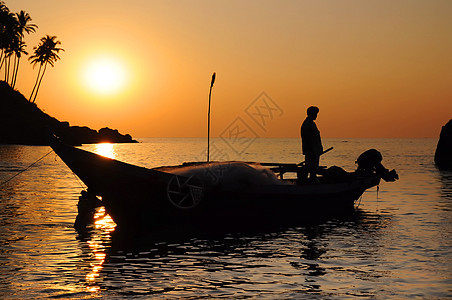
(443, 153)
(23, 123)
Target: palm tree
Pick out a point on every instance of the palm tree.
(8, 24)
(22, 26)
(12, 31)
(45, 53)
(8, 52)
(18, 50)
(4, 14)
(23, 19)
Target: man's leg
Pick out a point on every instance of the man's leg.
(312, 164)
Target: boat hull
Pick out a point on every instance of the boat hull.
(139, 196)
(253, 206)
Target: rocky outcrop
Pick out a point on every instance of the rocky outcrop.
(23, 123)
(443, 153)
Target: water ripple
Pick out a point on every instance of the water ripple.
(397, 245)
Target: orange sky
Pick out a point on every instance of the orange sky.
(375, 68)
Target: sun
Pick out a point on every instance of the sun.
(105, 75)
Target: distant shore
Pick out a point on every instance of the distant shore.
(23, 123)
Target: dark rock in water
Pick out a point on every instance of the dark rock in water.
(23, 123)
(443, 154)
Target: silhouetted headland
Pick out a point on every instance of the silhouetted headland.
(443, 153)
(23, 123)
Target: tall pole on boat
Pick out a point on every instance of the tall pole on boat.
(208, 117)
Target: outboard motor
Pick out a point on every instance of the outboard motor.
(370, 162)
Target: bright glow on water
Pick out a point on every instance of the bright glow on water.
(396, 246)
(105, 149)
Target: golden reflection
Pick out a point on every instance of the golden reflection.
(105, 149)
(103, 221)
(92, 289)
(104, 225)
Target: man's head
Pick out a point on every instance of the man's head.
(312, 112)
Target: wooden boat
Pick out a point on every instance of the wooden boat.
(198, 192)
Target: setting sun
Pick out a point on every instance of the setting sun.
(375, 69)
(105, 75)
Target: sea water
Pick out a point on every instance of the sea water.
(396, 245)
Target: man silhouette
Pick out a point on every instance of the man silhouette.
(311, 143)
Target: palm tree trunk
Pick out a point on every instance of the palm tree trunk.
(8, 67)
(1, 59)
(15, 73)
(9, 70)
(39, 84)
(10, 75)
(14, 70)
(36, 83)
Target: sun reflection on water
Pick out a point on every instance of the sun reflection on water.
(97, 244)
(103, 221)
(105, 149)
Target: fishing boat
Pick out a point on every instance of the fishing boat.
(211, 191)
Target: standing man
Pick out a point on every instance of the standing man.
(311, 143)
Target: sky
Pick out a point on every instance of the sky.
(376, 69)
